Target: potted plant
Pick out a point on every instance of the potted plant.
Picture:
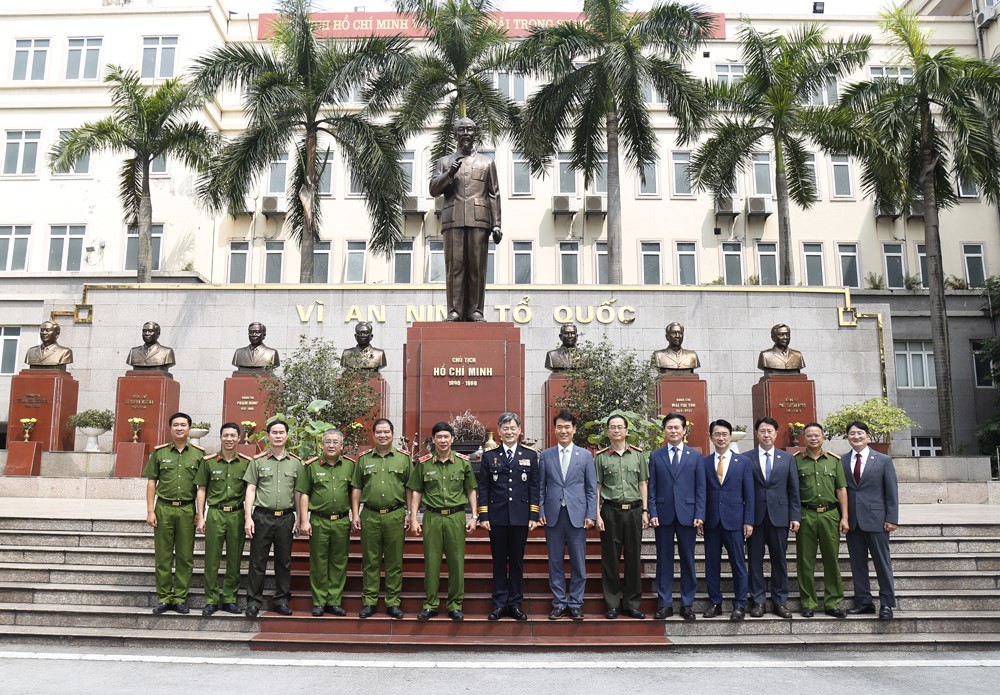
(739, 434)
(92, 424)
(881, 417)
(199, 430)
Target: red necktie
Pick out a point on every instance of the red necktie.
(857, 468)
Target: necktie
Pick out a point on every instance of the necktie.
(719, 470)
(767, 466)
(510, 456)
(673, 456)
(857, 468)
(564, 461)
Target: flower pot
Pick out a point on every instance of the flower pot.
(196, 434)
(737, 437)
(92, 446)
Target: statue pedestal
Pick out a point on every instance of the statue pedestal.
(24, 458)
(131, 459)
(687, 394)
(49, 396)
(555, 387)
(381, 388)
(244, 397)
(787, 398)
(152, 395)
(449, 368)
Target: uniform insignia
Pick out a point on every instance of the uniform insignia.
(461, 456)
(633, 447)
(423, 458)
(196, 446)
(525, 462)
(601, 451)
(310, 460)
(524, 476)
(161, 446)
(209, 457)
(262, 456)
(350, 459)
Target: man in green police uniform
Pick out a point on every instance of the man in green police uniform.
(823, 492)
(380, 484)
(170, 496)
(324, 517)
(622, 514)
(220, 484)
(271, 479)
(444, 480)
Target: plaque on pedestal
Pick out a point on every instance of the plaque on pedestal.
(555, 387)
(24, 458)
(244, 397)
(687, 394)
(449, 368)
(50, 397)
(130, 458)
(151, 395)
(787, 398)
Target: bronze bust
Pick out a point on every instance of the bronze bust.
(781, 359)
(674, 359)
(151, 355)
(50, 354)
(364, 356)
(565, 357)
(256, 355)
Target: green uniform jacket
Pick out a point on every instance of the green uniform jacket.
(223, 480)
(328, 486)
(275, 479)
(382, 479)
(174, 470)
(443, 484)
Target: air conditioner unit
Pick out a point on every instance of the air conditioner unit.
(884, 211)
(248, 206)
(563, 204)
(414, 205)
(986, 17)
(727, 207)
(438, 205)
(273, 206)
(595, 205)
(915, 210)
(758, 206)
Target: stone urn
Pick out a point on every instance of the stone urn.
(92, 446)
(196, 434)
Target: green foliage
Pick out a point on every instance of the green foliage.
(468, 428)
(875, 281)
(953, 282)
(881, 417)
(203, 425)
(314, 393)
(92, 418)
(609, 379)
(642, 431)
(911, 282)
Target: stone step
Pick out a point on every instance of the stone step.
(127, 638)
(874, 642)
(121, 617)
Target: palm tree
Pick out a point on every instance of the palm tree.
(598, 70)
(771, 104)
(145, 123)
(454, 73)
(292, 94)
(935, 125)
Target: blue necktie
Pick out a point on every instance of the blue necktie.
(673, 456)
(767, 466)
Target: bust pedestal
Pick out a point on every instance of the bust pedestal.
(151, 395)
(687, 394)
(555, 387)
(49, 396)
(244, 397)
(787, 398)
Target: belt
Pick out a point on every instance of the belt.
(624, 506)
(227, 507)
(275, 512)
(174, 503)
(331, 517)
(819, 510)
(446, 512)
(384, 510)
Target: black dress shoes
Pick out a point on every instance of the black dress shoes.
(495, 614)
(282, 608)
(634, 613)
(230, 608)
(577, 614)
(885, 613)
(737, 615)
(687, 612)
(663, 612)
(456, 615)
(395, 612)
(714, 611)
(426, 614)
(611, 614)
(181, 608)
(161, 608)
(836, 612)
(367, 611)
(336, 610)
(208, 610)
(252, 611)
(317, 611)
(807, 612)
(558, 612)
(781, 610)
(860, 610)
(517, 614)
(757, 610)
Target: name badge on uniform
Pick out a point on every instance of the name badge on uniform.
(525, 462)
(369, 466)
(217, 472)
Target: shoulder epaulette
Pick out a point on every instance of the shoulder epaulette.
(461, 456)
(208, 457)
(242, 455)
(424, 458)
(403, 451)
(262, 455)
(308, 461)
(635, 447)
(602, 450)
(530, 448)
(161, 446)
(197, 446)
(352, 460)
(830, 453)
(294, 456)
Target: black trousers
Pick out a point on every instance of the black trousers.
(507, 545)
(622, 534)
(270, 531)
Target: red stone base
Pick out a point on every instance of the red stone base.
(688, 395)
(24, 458)
(244, 397)
(153, 396)
(130, 459)
(49, 396)
(787, 398)
(555, 387)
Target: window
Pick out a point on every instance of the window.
(324, 165)
(895, 268)
(975, 265)
(435, 261)
(892, 73)
(510, 85)
(83, 59)
(350, 95)
(850, 273)
(687, 263)
(66, 246)
(158, 166)
(14, 246)
(407, 161)
(402, 262)
(967, 188)
(29, 59)
(601, 262)
(522, 262)
(922, 263)
(132, 247)
(239, 251)
(842, 186)
(600, 182)
(762, 174)
(810, 167)
(357, 187)
(521, 175)
(826, 95)
(491, 263)
(767, 263)
(914, 364)
(682, 179)
(569, 262)
(82, 166)
(9, 336)
(566, 173)
(158, 54)
(321, 261)
(926, 446)
(354, 263)
(21, 152)
(648, 183)
(274, 252)
(650, 251)
(729, 73)
(813, 265)
(981, 366)
(732, 262)
(277, 174)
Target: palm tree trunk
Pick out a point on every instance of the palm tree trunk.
(144, 254)
(784, 217)
(614, 202)
(307, 198)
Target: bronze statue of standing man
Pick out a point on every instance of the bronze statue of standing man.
(468, 181)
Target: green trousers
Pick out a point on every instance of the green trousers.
(173, 540)
(328, 548)
(819, 531)
(444, 534)
(382, 536)
(223, 529)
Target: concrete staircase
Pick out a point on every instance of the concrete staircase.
(91, 581)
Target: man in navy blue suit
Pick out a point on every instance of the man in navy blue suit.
(676, 510)
(728, 519)
(569, 507)
(776, 509)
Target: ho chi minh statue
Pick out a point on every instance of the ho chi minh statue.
(50, 354)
